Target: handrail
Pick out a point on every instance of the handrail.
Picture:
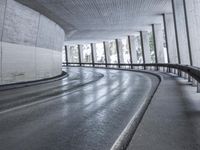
(192, 72)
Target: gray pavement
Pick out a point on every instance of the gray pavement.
(86, 111)
(172, 120)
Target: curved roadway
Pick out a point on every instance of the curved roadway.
(85, 111)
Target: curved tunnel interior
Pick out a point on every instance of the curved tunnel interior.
(131, 81)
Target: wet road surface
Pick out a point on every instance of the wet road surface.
(85, 111)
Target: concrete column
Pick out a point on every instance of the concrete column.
(93, 53)
(130, 52)
(133, 41)
(158, 43)
(145, 47)
(80, 54)
(117, 49)
(171, 38)
(70, 54)
(107, 52)
(121, 54)
(94, 49)
(181, 32)
(66, 54)
(192, 16)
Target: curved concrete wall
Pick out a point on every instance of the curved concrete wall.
(31, 44)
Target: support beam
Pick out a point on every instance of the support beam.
(166, 39)
(130, 51)
(133, 41)
(81, 52)
(106, 53)
(142, 47)
(79, 55)
(95, 52)
(158, 43)
(121, 54)
(66, 55)
(145, 47)
(171, 38)
(181, 32)
(117, 49)
(192, 18)
(70, 54)
(154, 42)
(92, 53)
(187, 31)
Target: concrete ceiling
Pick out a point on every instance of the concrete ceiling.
(91, 20)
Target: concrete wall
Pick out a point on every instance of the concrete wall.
(31, 44)
(193, 15)
(171, 38)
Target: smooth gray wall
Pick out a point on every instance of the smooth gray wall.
(20, 24)
(31, 44)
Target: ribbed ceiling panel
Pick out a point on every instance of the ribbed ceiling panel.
(101, 19)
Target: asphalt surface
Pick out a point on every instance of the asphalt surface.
(85, 111)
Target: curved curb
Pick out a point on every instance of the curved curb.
(31, 83)
(142, 71)
(126, 136)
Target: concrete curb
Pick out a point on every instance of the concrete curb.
(31, 83)
(125, 137)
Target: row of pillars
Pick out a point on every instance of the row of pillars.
(182, 29)
(182, 33)
(132, 40)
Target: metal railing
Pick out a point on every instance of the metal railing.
(185, 71)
